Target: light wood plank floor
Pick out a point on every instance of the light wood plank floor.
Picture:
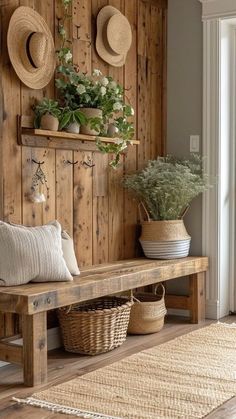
(63, 367)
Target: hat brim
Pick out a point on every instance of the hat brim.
(23, 21)
(103, 50)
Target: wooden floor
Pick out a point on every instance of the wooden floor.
(63, 366)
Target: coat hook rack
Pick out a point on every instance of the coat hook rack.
(70, 162)
(38, 162)
(87, 164)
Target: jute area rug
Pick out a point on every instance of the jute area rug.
(187, 377)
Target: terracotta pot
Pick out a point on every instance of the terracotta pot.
(90, 113)
(49, 122)
(165, 239)
(74, 128)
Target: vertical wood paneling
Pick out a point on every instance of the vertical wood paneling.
(130, 83)
(116, 192)
(83, 180)
(12, 153)
(64, 190)
(90, 203)
(83, 214)
(64, 171)
(100, 178)
(11, 164)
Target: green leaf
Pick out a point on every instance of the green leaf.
(65, 120)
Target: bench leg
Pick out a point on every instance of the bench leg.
(34, 331)
(197, 297)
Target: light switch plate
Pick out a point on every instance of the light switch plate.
(194, 143)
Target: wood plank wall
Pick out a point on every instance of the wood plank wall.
(89, 203)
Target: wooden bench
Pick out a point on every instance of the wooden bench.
(32, 302)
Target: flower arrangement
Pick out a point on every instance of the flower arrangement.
(78, 91)
(167, 185)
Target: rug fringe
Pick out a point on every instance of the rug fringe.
(57, 408)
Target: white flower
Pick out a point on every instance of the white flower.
(103, 90)
(117, 106)
(97, 72)
(118, 141)
(105, 81)
(132, 111)
(113, 84)
(81, 89)
(67, 56)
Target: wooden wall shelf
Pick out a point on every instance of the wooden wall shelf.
(31, 137)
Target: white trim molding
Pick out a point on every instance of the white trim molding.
(218, 8)
(219, 64)
(211, 140)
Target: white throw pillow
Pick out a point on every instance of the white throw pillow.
(69, 253)
(31, 254)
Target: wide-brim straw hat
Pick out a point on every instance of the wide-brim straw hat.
(31, 48)
(114, 36)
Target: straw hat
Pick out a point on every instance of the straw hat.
(114, 36)
(31, 48)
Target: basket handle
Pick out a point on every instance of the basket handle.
(185, 210)
(163, 290)
(141, 205)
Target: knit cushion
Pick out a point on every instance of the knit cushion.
(31, 254)
(69, 253)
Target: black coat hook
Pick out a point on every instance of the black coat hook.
(70, 162)
(89, 163)
(38, 162)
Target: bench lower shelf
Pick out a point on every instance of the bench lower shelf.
(33, 301)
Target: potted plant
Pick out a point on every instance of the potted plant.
(71, 120)
(47, 114)
(100, 98)
(102, 102)
(165, 187)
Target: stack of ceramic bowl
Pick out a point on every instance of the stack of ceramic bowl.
(165, 239)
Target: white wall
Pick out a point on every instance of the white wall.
(184, 96)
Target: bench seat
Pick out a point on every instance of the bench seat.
(32, 301)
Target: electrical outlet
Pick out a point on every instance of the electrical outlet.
(194, 143)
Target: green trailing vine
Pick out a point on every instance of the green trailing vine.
(79, 90)
(64, 53)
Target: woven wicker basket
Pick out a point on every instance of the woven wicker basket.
(163, 239)
(148, 313)
(95, 327)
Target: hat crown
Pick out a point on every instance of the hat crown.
(37, 48)
(119, 35)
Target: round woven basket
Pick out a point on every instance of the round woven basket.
(163, 239)
(147, 313)
(172, 230)
(95, 327)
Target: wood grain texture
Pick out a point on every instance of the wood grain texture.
(197, 296)
(34, 330)
(102, 280)
(63, 366)
(89, 203)
(11, 353)
(33, 301)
